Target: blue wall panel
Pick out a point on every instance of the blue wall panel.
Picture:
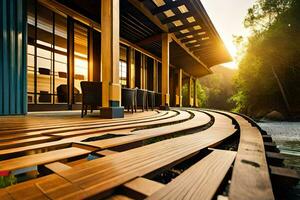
(13, 43)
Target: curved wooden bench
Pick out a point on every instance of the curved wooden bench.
(250, 178)
(199, 119)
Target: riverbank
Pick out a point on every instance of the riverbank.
(287, 137)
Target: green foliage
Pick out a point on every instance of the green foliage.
(7, 181)
(201, 95)
(218, 87)
(269, 68)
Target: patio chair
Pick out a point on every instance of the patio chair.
(141, 98)
(157, 99)
(150, 99)
(91, 95)
(128, 98)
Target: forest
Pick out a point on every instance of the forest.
(268, 74)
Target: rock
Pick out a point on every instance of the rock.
(274, 116)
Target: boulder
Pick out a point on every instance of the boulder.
(274, 116)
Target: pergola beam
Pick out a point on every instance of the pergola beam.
(196, 37)
(176, 17)
(184, 26)
(150, 40)
(167, 6)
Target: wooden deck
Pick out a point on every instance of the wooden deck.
(125, 158)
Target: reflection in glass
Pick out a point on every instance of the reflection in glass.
(60, 57)
(123, 66)
(80, 58)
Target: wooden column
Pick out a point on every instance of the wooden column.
(131, 67)
(190, 91)
(155, 76)
(111, 88)
(195, 93)
(165, 70)
(180, 86)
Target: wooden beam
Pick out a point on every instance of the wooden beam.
(176, 17)
(150, 40)
(182, 35)
(141, 7)
(167, 6)
(202, 43)
(184, 26)
(189, 52)
(196, 37)
(180, 86)
(165, 69)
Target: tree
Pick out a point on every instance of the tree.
(267, 77)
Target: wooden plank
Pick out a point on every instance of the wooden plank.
(143, 186)
(106, 152)
(39, 159)
(200, 119)
(201, 180)
(57, 167)
(285, 172)
(250, 179)
(4, 195)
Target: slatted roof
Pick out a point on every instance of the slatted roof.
(189, 22)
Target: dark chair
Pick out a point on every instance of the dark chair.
(62, 94)
(150, 99)
(91, 95)
(141, 98)
(128, 98)
(157, 99)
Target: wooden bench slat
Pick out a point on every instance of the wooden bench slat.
(250, 178)
(42, 158)
(201, 180)
(143, 186)
(57, 167)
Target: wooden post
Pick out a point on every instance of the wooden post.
(195, 93)
(110, 47)
(180, 86)
(131, 67)
(155, 76)
(190, 91)
(165, 70)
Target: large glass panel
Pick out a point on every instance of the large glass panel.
(80, 58)
(44, 54)
(60, 57)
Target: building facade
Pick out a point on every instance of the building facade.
(49, 46)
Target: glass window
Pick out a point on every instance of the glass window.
(123, 66)
(44, 54)
(80, 58)
(60, 57)
(47, 36)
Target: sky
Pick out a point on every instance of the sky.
(228, 17)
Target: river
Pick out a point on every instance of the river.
(287, 137)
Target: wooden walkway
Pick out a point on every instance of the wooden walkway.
(124, 158)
